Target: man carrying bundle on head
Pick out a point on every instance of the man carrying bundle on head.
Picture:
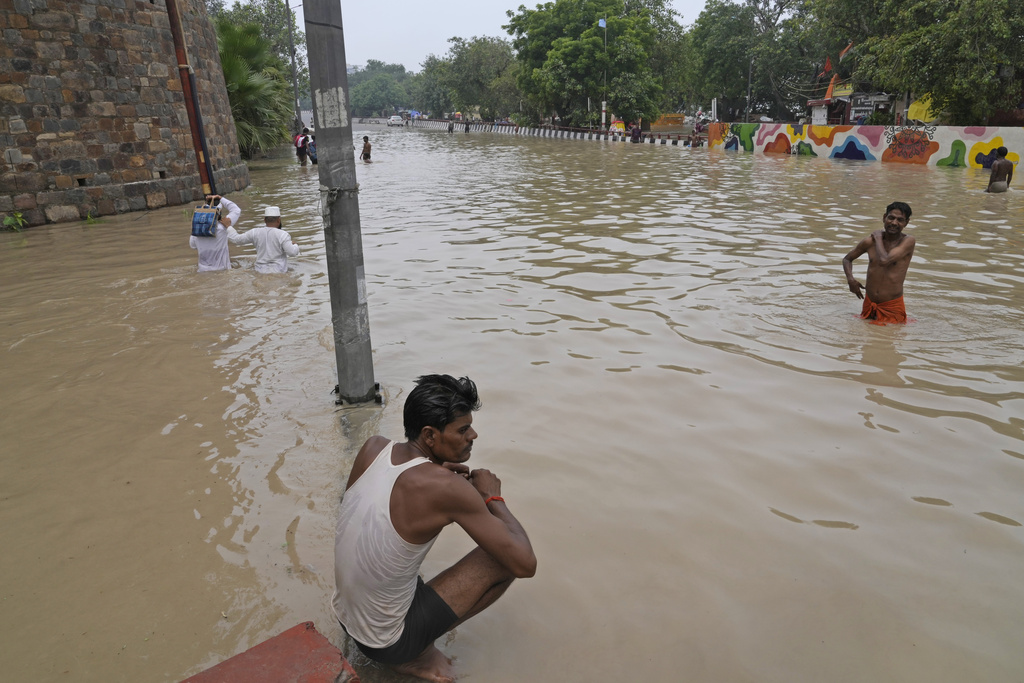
(213, 250)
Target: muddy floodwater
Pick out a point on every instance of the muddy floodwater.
(726, 475)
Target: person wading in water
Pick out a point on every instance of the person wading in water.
(889, 252)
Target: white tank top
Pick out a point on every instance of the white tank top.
(375, 569)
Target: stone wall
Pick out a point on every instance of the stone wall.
(92, 114)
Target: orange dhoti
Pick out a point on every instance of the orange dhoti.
(891, 311)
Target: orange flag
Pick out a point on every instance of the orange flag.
(828, 67)
(831, 86)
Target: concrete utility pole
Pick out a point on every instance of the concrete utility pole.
(325, 42)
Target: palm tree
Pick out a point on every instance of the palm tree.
(257, 87)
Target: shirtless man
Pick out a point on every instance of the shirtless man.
(1002, 172)
(889, 252)
(399, 497)
(365, 154)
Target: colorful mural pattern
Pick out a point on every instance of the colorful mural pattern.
(972, 146)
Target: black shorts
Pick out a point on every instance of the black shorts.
(429, 617)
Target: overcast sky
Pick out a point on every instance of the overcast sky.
(407, 31)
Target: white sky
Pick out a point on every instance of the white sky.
(406, 31)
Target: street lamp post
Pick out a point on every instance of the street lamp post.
(750, 73)
(295, 82)
(603, 23)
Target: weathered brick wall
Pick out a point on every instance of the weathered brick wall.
(92, 115)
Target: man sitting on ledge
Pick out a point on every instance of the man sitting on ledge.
(399, 497)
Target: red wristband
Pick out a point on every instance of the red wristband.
(494, 498)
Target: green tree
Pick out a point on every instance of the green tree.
(429, 88)
(379, 89)
(671, 54)
(787, 50)
(564, 60)
(272, 17)
(968, 55)
(257, 88)
(481, 72)
(381, 94)
(375, 67)
(723, 40)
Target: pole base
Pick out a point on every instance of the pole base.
(374, 396)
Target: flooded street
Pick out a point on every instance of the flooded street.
(725, 474)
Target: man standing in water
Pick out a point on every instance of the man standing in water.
(213, 251)
(889, 253)
(365, 154)
(1002, 172)
(273, 245)
(399, 497)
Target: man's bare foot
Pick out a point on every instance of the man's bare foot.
(431, 665)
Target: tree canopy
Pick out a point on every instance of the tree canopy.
(272, 18)
(379, 89)
(259, 93)
(569, 62)
(565, 56)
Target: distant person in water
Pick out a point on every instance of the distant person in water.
(889, 252)
(302, 146)
(398, 499)
(1002, 172)
(365, 154)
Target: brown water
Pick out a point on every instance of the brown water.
(726, 475)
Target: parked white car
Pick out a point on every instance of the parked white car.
(396, 121)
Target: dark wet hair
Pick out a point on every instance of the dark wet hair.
(902, 206)
(1002, 151)
(437, 401)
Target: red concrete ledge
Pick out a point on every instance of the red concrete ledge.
(299, 655)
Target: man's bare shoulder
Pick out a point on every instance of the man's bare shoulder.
(861, 247)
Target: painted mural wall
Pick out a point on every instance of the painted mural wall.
(970, 147)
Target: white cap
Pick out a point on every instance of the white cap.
(272, 212)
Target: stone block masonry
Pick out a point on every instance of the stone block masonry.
(92, 115)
